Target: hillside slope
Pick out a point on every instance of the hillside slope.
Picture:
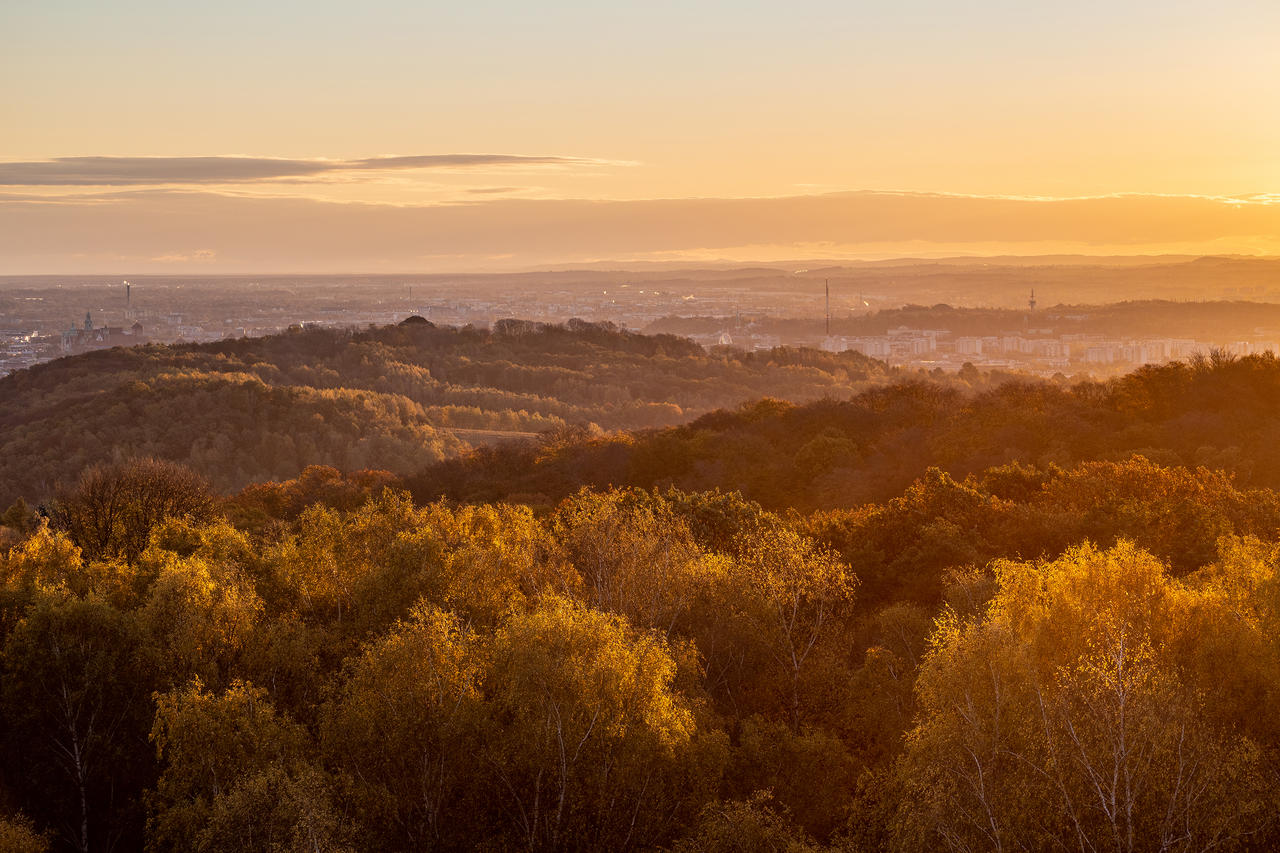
(1217, 413)
(246, 410)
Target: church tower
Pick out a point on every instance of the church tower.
(88, 321)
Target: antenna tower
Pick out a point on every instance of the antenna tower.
(827, 284)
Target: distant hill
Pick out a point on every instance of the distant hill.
(1219, 413)
(397, 398)
(1220, 321)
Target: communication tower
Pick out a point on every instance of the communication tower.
(827, 284)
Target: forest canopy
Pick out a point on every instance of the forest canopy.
(1213, 412)
(394, 398)
(649, 669)
(924, 617)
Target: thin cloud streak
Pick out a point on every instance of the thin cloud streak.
(152, 231)
(159, 171)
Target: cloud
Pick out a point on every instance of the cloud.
(157, 230)
(495, 190)
(199, 256)
(157, 171)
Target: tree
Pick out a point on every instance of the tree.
(17, 835)
(588, 746)
(360, 572)
(237, 775)
(20, 517)
(404, 726)
(792, 592)
(491, 559)
(746, 826)
(113, 508)
(636, 557)
(75, 688)
(46, 560)
(1063, 717)
(199, 614)
(768, 756)
(277, 810)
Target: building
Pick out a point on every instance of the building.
(87, 337)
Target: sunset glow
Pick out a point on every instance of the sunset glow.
(316, 111)
(639, 426)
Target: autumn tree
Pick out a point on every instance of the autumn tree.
(21, 518)
(494, 559)
(46, 560)
(74, 697)
(238, 775)
(793, 593)
(360, 572)
(1062, 717)
(113, 508)
(636, 557)
(405, 727)
(767, 755)
(589, 748)
(18, 835)
(199, 614)
(739, 826)
(317, 484)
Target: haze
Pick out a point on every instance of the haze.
(317, 137)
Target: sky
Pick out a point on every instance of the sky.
(319, 136)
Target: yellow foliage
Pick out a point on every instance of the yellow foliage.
(47, 559)
(17, 835)
(1069, 714)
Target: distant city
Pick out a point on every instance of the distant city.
(1037, 351)
(868, 311)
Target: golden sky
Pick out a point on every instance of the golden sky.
(144, 135)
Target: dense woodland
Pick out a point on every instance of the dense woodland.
(1029, 617)
(1215, 412)
(393, 398)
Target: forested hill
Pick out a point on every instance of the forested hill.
(1219, 413)
(970, 663)
(394, 398)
